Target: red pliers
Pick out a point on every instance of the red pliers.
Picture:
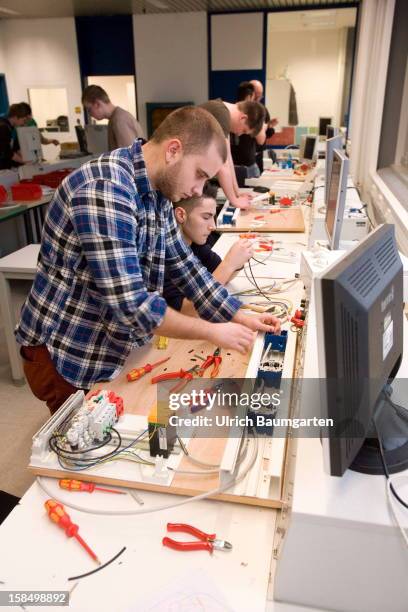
(215, 359)
(207, 541)
(185, 375)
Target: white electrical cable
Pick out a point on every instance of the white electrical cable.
(395, 507)
(238, 479)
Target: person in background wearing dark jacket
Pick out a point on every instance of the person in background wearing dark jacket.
(270, 124)
(9, 156)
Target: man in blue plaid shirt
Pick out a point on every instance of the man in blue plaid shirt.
(108, 232)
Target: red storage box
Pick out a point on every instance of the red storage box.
(26, 192)
(51, 179)
(3, 194)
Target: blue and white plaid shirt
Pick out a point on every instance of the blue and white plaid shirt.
(97, 291)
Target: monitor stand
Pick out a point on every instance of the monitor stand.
(392, 425)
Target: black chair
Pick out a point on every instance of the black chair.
(7, 503)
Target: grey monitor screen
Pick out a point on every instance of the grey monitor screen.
(310, 145)
(336, 198)
(332, 143)
(323, 123)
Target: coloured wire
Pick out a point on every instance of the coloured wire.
(188, 500)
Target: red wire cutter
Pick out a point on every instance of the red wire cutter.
(207, 541)
(185, 375)
(215, 360)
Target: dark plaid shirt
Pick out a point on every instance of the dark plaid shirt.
(97, 290)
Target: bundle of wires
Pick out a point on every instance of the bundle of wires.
(239, 477)
(85, 458)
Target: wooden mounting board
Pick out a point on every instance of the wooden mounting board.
(286, 220)
(139, 396)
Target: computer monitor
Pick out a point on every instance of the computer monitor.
(336, 200)
(308, 145)
(97, 139)
(323, 123)
(331, 131)
(359, 314)
(331, 143)
(81, 137)
(29, 140)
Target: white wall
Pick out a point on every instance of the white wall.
(2, 54)
(42, 53)
(171, 59)
(236, 41)
(314, 63)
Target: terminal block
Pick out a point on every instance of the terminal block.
(162, 435)
(228, 216)
(271, 366)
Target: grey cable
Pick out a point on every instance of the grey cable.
(158, 508)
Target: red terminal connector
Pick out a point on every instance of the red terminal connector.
(286, 201)
(118, 401)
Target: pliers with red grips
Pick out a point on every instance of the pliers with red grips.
(206, 541)
(185, 375)
(214, 360)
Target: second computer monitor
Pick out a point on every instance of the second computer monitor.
(331, 131)
(97, 138)
(29, 140)
(307, 149)
(323, 123)
(331, 143)
(336, 198)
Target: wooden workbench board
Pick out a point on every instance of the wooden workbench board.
(139, 396)
(286, 220)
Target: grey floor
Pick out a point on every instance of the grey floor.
(21, 415)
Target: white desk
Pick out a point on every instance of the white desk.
(342, 550)
(20, 265)
(39, 556)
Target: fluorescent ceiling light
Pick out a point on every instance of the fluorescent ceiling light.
(158, 4)
(319, 18)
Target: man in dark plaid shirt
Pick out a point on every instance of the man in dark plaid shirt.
(108, 232)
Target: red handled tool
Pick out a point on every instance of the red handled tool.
(184, 375)
(57, 514)
(215, 360)
(206, 541)
(137, 373)
(79, 485)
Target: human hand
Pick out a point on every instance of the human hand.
(243, 201)
(260, 322)
(240, 252)
(231, 336)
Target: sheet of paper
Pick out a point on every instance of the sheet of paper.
(195, 592)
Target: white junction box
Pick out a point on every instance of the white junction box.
(313, 263)
(355, 227)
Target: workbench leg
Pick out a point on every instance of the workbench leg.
(7, 315)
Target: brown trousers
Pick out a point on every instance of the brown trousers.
(44, 380)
